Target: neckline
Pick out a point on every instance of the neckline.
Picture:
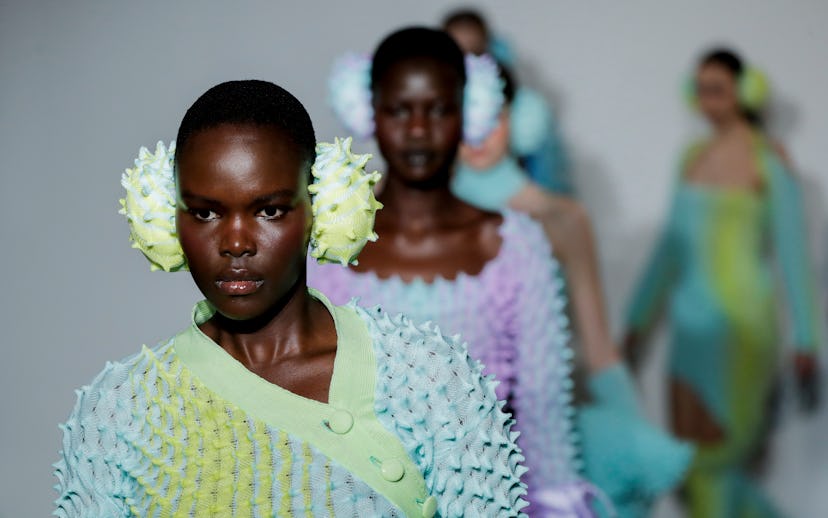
(352, 379)
(722, 190)
(345, 429)
(759, 143)
(503, 231)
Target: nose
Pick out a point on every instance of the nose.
(237, 240)
(418, 124)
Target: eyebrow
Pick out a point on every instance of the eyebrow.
(203, 199)
(275, 195)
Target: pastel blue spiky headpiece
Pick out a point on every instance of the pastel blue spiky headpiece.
(349, 93)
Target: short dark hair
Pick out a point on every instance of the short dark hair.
(416, 43)
(253, 102)
(466, 16)
(725, 58)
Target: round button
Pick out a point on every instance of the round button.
(392, 470)
(429, 507)
(341, 422)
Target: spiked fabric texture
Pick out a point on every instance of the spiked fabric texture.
(149, 438)
(343, 203)
(482, 99)
(349, 93)
(512, 316)
(149, 206)
(451, 422)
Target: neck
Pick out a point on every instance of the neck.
(418, 206)
(731, 125)
(284, 331)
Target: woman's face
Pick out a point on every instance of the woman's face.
(717, 93)
(244, 217)
(492, 150)
(419, 122)
(470, 37)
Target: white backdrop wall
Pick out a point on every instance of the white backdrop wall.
(84, 84)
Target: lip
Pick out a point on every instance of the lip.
(239, 283)
(417, 158)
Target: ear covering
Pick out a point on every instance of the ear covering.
(149, 206)
(343, 205)
(688, 92)
(753, 86)
(349, 94)
(754, 90)
(483, 98)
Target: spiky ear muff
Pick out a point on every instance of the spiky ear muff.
(753, 90)
(343, 205)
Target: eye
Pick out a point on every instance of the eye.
(397, 111)
(204, 214)
(272, 212)
(439, 110)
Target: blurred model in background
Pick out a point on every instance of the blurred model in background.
(736, 204)
(534, 138)
(627, 457)
(486, 274)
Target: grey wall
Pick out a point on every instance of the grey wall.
(84, 84)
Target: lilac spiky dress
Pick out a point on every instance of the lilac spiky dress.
(511, 315)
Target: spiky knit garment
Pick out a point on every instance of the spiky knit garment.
(512, 316)
(185, 430)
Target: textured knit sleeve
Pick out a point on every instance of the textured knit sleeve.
(789, 232)
(90, 483)
(655, 281)
(543, 391)
(433, 396)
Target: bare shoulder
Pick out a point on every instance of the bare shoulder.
(567, 226)
(570, 215)
(488, 232)
(781, 152)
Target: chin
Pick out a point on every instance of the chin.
(431, 174)
(481, 163)
(238, 312)
(415, 175)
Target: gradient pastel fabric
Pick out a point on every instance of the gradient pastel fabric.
(185, 430)
(512, 317)
(713, 267)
